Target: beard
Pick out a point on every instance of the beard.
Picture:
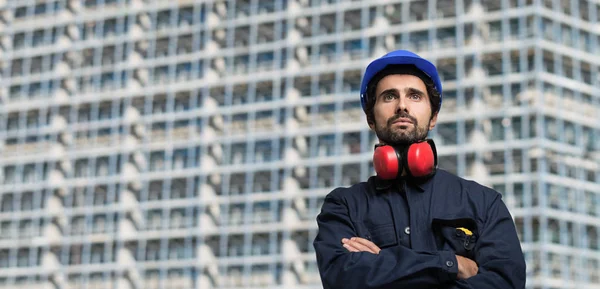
(401, 135)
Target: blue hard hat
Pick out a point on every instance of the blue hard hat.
(399, 57)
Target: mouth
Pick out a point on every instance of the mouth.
(402, 121)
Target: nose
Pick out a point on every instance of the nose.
(401, 106)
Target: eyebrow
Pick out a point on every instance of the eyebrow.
(389, 90)
(415, 91)
(407, 91)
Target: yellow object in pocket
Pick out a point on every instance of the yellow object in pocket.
(467, 231)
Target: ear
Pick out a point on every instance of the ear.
(433, 121)
(371, 126)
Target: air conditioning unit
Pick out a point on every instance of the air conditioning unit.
(302, 55)
(219, 64)
(218, 122)
(74, 5)
(144, 21)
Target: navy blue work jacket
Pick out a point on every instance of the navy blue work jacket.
(436, 209)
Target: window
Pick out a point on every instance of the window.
(448, 133)
(350, 174)
(99, 225)
(177, 219)
(497, 129)
(447, 69)
(155, 191)
(75, 255)
(262, 181)
(177, 250)
(100, 197)
(260, 244)
(110, 27)
(237, 183)
(5, 228)
(102, 166)
(163, 19)
(553, 233)
(153, 251)
(29, 174)
(10, 176)
(33, 120)
(162, 50)
(178, 188)
(183, 71)
(445, 9)
(77, 225)
(97, 255)
(182, 103)
(446, 37)
(26, 229)
(27, 201)
(161, 74)
(592, 237)
(154, 220)
(263, 151)
(159, 105)
(157, 161)
(4, 263)
(7, 202)
(419, 40)
(235, 276)
(262, 212)
(261, 275)
(186, 16)
(240, 64)
(264, 61)
(236, 245)
(326, 145)
(23, 258)
(325, 176)
(77, 198)
(236, 213)
(238, 153)
(180, 159)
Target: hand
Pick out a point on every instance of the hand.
(467, 268)
(357, 244)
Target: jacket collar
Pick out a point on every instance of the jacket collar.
(383, 185)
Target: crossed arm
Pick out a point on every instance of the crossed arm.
(467, 268)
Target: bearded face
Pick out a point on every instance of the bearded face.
(401, 129)
(402, 110)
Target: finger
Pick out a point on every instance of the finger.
(350, 248)
(369, 244)
(348, 245)
(361, 247)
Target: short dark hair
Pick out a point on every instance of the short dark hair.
(434, 95)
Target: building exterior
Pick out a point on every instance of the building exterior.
(189, 144)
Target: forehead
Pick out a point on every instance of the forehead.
(400, 82)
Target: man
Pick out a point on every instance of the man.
(413, 226)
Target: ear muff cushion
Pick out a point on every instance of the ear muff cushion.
(385, 162)
(420, 159)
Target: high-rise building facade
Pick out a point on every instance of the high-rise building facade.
(189, 144)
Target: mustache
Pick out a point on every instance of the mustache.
(401, 115)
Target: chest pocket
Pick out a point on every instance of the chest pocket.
(456, 234)
(383, 235)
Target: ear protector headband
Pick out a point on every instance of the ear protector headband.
(418, 160)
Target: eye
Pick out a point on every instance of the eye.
(389, 97)
(415, 96)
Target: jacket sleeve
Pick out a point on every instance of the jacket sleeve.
(393, 267)
(499, 255)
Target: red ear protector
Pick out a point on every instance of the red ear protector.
(418, 160)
